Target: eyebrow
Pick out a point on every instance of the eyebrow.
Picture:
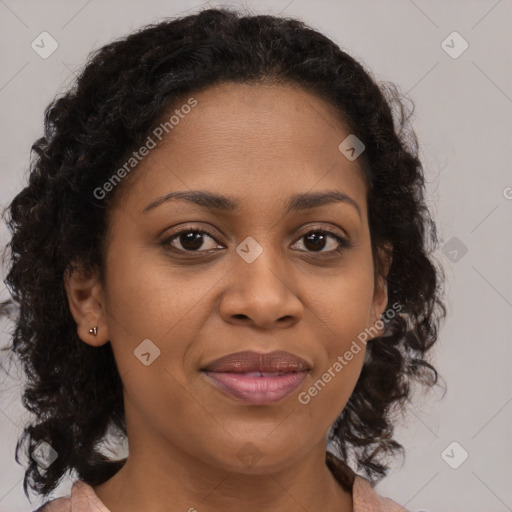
(230, 204)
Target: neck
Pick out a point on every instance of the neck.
(153, 481)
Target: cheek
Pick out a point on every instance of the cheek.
(141, 306)
(343, 303)
(330, 385)
(329, 390)
(343, 309)
(147, 297)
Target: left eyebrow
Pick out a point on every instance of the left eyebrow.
(229, 203)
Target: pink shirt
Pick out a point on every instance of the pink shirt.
(84, 499)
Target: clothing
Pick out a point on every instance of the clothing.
(365, 499)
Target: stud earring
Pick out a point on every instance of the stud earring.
(94, 330)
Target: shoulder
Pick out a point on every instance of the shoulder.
(82, 499)
(56, 505)
(366, 499)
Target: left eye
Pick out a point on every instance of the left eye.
(317, 240)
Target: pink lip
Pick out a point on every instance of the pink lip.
(257, 390)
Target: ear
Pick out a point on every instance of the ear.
(380, 295)
(87, 304)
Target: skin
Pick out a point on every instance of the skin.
(259, 144)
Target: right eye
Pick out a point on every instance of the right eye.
(190, 239)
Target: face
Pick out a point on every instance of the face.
(266, 269)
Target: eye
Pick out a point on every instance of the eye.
(317, 240)
(194, 239)
(191, 240)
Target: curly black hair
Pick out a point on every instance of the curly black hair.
(125, 89)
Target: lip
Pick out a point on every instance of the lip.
(256, 390)
(257, 378)
(250, 361)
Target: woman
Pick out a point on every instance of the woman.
(223, 253)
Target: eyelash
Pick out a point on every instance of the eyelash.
(344, 243)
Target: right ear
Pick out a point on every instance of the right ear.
(87, 304)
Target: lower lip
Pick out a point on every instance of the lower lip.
(256, 390)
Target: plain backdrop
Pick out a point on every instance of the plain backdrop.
(463, 106)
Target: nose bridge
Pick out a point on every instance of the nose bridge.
(260, 287)
(259, 267)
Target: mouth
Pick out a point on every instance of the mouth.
(256, 378)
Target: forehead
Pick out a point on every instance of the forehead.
(253, 140)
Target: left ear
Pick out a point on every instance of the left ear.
(380, 294)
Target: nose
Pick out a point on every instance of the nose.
(261, 294)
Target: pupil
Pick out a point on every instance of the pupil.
(315, 238)
(194, 241)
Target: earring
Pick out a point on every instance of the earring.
(94, 330)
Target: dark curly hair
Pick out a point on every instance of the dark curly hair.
(126, 88)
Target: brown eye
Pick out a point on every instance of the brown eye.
(318, 240)
(191, 240)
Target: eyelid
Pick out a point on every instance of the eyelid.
(329, 230)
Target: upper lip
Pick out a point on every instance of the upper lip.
(249, 361)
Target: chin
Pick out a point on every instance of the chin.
(257, 456)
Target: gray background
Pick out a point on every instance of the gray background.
(462, 118)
